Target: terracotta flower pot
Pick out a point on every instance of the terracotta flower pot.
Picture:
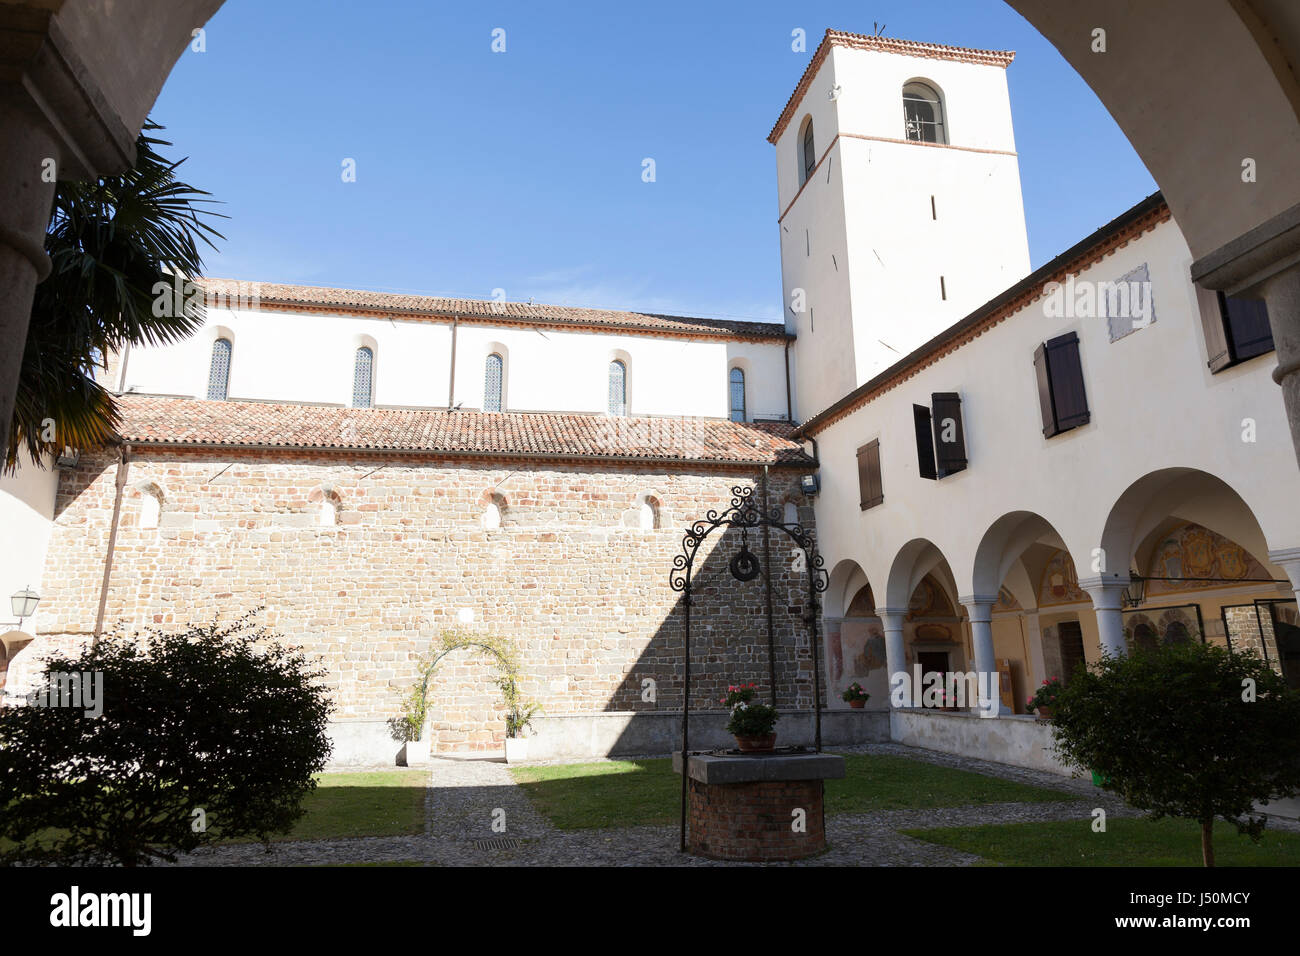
(1044, 713)
(755, 745)
(857, 704)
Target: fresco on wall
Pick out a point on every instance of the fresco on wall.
(872, 655)
(1060, 584)
(835, 650)
(1194, 551)
(929, 600)
(1006, 601)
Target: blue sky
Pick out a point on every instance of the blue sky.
(521, 170)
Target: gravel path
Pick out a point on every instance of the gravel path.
(467, 795)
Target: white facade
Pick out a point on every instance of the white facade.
(891, 241)
(26, 516)
(1155, 407)
(284, 356)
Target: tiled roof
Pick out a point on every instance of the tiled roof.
(183, 422)
(858, 41)
(321, 298)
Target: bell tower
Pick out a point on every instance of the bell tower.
(899, 203)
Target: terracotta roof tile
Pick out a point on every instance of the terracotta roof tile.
(518, 313)
(182, 422)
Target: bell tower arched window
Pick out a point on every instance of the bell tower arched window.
(807, 151)
(923, 114)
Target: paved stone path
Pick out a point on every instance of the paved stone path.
(465, 794)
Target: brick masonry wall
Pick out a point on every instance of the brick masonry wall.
(569, 576)
(755, 821)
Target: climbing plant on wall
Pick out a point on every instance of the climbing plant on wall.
(415, 705)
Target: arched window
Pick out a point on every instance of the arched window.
(363, 378)
(923, 114)
(219, 372)
(807, 152)
(647, 512)
(492, 383)
(737, 386)
(150, 507)
(491, 516)
(617, 388)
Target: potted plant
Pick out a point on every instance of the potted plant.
(1045, 698)
(753, 725)
(519, 717)
(411, 724)
(855, 696)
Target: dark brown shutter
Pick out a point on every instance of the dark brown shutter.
(924, 446)
(1247, 325)
(951, 454)
(1215, 327)
(869, 486)
(1045, 391)
(1065, 371)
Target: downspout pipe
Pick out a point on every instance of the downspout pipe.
(123, 466)
(789, 404)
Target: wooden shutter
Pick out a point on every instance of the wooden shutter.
(1061, 392)
(951, 454)
(1215, 327)
(869, 486)
(924, 447)
(1045, 391)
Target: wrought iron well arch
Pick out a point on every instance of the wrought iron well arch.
(744, 514)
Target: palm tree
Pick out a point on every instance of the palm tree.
(111, 243)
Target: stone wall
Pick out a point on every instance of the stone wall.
(569, 576)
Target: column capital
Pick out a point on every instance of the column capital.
(891, 615)
(978, 606)
(1105, 591)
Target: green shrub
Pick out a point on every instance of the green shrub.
(1187, 730)
(211, 733)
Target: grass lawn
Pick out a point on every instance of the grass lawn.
(375, 803)
(627, 793)
(1126, 842)
(885, 782)
(612, 793)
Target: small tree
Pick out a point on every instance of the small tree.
(1188, 730)
(211, 733)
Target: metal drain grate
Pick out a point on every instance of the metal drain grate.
(497, 843)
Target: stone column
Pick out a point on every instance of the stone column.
(1281, 293)
(895, 653)
(980, 609)
(29, 157)
(1263, 264)
(1108, 606)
